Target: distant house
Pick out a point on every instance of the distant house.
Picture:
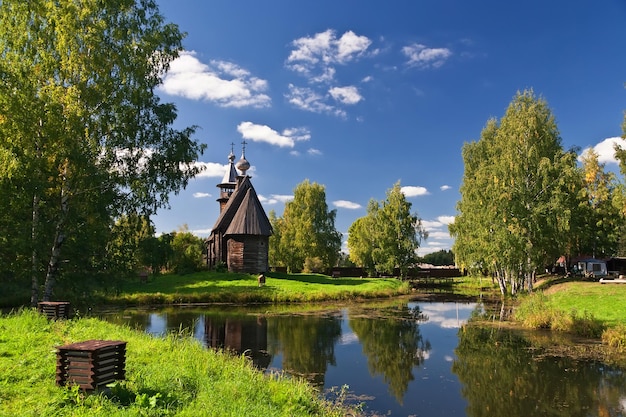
(592, 267)
(240, 237)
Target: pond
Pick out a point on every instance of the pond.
(404, 358)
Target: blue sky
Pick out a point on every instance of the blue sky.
(357, 95)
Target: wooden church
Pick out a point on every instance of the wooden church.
(240, 237)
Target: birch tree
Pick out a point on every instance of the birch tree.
(80, 118)
(519, 193)
(307, 229)
(388, 236)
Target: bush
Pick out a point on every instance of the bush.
(313, 265)
(533, 312)
(615, 338)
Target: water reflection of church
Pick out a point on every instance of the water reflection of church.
(243, 336)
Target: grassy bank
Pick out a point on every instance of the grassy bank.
(211, 287)
(588, 309)
(172, 376)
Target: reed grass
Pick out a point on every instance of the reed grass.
(538, 311)
(171, 376)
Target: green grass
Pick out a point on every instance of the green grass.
(211, 287)
(606, 302)
(587, 309)
(171, 376)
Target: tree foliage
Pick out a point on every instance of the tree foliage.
(388, 236)
(86, 134)
(600, 218)
(439, 258)
(519, 194)
(306, 231)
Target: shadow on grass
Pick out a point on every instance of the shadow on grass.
(318, 279)
(554, 280)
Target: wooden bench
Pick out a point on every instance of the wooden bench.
(91, 364)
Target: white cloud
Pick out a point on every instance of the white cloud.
(435, 225)
(201, 195)
(444, 187)
(438, 235)
(447, 316)
(413, 191)
(446, 219)
(263, 133)
(220, 82)
(421, 56)
(307, 99)
(346, 95)
(201, 232)
(211, 169)
(298, 133)
(346, 204)
(275, 198)
(606, 150)
(431, 224)
(313, 151)
(316, 56)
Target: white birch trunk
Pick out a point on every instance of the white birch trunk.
(59, 238)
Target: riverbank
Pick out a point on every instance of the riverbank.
(586, 309)
(170, 376)
(215, 287)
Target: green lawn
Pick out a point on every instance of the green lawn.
(205, 287)
(171, 376)
(606, 302)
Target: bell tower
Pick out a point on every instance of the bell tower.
(229, 182)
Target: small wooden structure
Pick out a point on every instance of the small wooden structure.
(54, 309)
(91, 364)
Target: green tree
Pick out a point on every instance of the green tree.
(187, 251)
(306, 230)
(362, 239)
(599, 232)
(439, 258)
(87, 134)
(388, 236)
(128, 235)
(519, 194)
(619, 199)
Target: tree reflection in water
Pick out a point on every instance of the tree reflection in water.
(393, 346)
(307, 344)
(503, 375)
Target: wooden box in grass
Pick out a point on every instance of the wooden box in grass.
(91, 364)
(54, 309)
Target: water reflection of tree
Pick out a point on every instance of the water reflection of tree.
(393, 346)
(307, 344)
(503, 375)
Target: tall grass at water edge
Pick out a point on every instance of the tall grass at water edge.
(584, 308)
(535, 311)
(171, 376)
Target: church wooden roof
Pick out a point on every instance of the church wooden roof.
(243, 214)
